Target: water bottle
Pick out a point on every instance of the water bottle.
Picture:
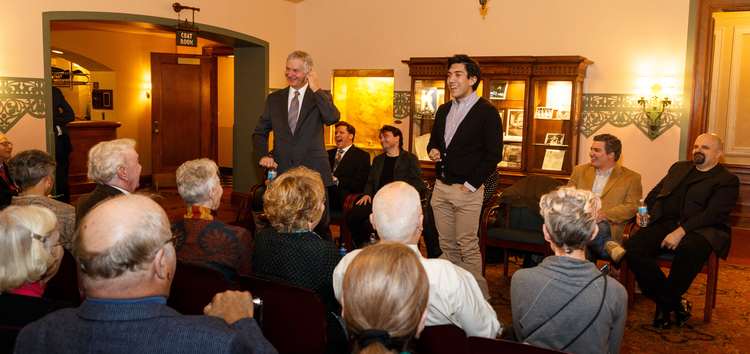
(372, 239)
(643, 210)
(342, 249)
(271, 177)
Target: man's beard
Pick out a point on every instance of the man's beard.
(699, 158)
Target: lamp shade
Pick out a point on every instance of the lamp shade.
(667, 81)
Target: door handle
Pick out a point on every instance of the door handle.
(156, 127)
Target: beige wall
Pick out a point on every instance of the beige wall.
(625, 39)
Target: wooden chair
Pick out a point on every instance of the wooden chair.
(245, 212)
(194, 287)
(444, 339)
(487, 345)
(521, 230)
(294, 318)
(66, 285)
(710, 268)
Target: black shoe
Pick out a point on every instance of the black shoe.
(682, 315)
(661, 318)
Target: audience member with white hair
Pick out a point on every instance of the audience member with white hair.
(201, 240)
(29, 257)
(565, 303)
(125, 250)
(455, 297)
(114, 166)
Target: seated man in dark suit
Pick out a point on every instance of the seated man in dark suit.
(126, 253)
(689, 214)
(396, 164)
(114, 166)
(350, 166)
(7, 187)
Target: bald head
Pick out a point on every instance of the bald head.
(119, 236)
(707, 150)
(397, 212)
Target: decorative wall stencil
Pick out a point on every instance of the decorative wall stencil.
(622, 110)
(401, 104)
(18, 97)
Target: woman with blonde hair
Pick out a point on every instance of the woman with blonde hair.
(291, 252)
(384, 299)
(29, 258)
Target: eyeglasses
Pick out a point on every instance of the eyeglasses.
(172, 239)
(6, 144)
(62, 243)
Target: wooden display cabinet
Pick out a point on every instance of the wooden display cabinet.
(539, 100)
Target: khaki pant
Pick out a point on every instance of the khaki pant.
(457, 216)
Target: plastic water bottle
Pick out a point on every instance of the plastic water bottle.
(372, 239)
(271, 176)
(643, 210)
(343, 249)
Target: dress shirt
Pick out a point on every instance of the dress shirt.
(455, 297)
(343, 152)
(120, 189)
(457, 114)
(301, 96)
(600, 180)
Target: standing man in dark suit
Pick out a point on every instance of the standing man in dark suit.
(7, 187)
(298, 115)
(688, 214)
(62, 114)
(350, 166)
(114, 166)
(125, 308)
(466, 144)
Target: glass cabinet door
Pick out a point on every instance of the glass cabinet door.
(428, 96)
(551, 125)
(509, 96)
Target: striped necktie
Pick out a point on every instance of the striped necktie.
(338, 159)
(5, 177)
(294, 111)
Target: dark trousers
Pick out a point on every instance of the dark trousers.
(690, 255)
(62, 157)
(597, 247)
(356, 218)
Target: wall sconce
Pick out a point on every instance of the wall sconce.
(654, 99)
(483, 3)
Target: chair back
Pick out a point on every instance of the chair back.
(522, 218)
(488, 345)
(443, 339)
(294, 318)
(65, 285)
(194, 287)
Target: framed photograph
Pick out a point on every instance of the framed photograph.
(554, 139)
(514, 125)
(498, 90)
(553, 160)
(544, 113)
(511, 156)
(101, 99)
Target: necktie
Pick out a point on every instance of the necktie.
(5, 177)
(338, 159)
(294, 112)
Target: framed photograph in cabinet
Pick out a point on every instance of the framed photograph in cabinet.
(554, 139)
(498, 90)
(511, 156)
(514, 125)
(101, 99)
(544, 113)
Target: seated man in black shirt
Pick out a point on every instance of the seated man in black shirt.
(396, 164)
(689, 214)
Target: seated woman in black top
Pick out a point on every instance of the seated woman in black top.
(290, 252)
(396, 164)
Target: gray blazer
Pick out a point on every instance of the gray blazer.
(306, 147)
(144, 327)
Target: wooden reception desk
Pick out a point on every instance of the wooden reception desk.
(84, 135)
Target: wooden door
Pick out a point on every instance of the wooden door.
(184, 123)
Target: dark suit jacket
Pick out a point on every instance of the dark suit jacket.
(352, 174)
(138, 328)
(89, 200)
(706, 203)
(306, 147)
(406, 169)
(18, 311)
(6, 194)
(61, 119)
(476, 147)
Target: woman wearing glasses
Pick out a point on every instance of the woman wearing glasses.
(29, 257)
(33, 172)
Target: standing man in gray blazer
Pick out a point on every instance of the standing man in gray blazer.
(297, 115)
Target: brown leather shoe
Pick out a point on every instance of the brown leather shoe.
(616, 252)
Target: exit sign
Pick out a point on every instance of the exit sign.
(187, 39)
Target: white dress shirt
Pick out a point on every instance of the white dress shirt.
(455, 297)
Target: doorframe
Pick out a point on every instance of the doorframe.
(251, 77)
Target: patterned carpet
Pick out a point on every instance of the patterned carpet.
(729, 331)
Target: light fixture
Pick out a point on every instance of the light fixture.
(56, 51)
(654, 99)
(482, 2)
(148, 93)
